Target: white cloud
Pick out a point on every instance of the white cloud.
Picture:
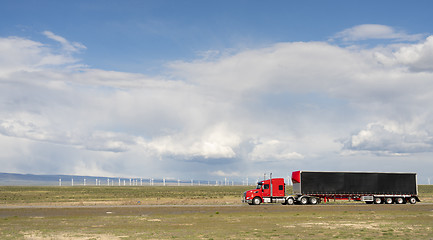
(96, 140)
(281, 67)
(23, 55)
(226, 174)
(392, 138)
(375, 31)
(215, 142)
(418, 57)
(288, 105)
(272, 150)
(414, 57)
(69, 47)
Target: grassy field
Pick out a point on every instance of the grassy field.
(152, 195)
(121, 195)
(120, 213)
(220, 222)
(425, 193)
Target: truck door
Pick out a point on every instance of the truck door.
(280, 190)
(266, 191)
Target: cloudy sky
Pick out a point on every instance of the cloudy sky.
(215, 89)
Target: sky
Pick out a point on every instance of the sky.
(215, 89)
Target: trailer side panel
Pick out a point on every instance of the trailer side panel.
(357, 183)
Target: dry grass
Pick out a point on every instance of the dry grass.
(220, 222)
(121, 195)
(157, 195)
(82, 213)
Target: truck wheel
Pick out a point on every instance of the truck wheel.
(257, 201)
(290, 201)
(378, 200)
(399, 200)
(313, 201)
(388, 200)
(412, 200)
(304, 201)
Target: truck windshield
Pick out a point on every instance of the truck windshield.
(259, 185)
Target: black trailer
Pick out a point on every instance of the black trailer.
(311, 187)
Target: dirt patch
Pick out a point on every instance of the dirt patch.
(145, 202)
(337, 225)
(372, 211)
(37, 235)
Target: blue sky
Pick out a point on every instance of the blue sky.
(139, 36)
(202, 89)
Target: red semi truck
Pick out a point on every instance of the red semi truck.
(313, 187)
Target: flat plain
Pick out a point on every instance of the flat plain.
(198, 213)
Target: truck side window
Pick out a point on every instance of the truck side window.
(281, 187)
(266, 186)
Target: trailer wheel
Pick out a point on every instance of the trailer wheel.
(257, 201)
(313, 201)
(412, 200)
(399, 200)
(378, 200)
(304, 201)
(388, 200)
(290, 201)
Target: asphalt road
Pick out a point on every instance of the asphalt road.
(193, 206)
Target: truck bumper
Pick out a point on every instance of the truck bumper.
(249, 201)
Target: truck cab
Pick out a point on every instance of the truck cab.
(267, 191)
